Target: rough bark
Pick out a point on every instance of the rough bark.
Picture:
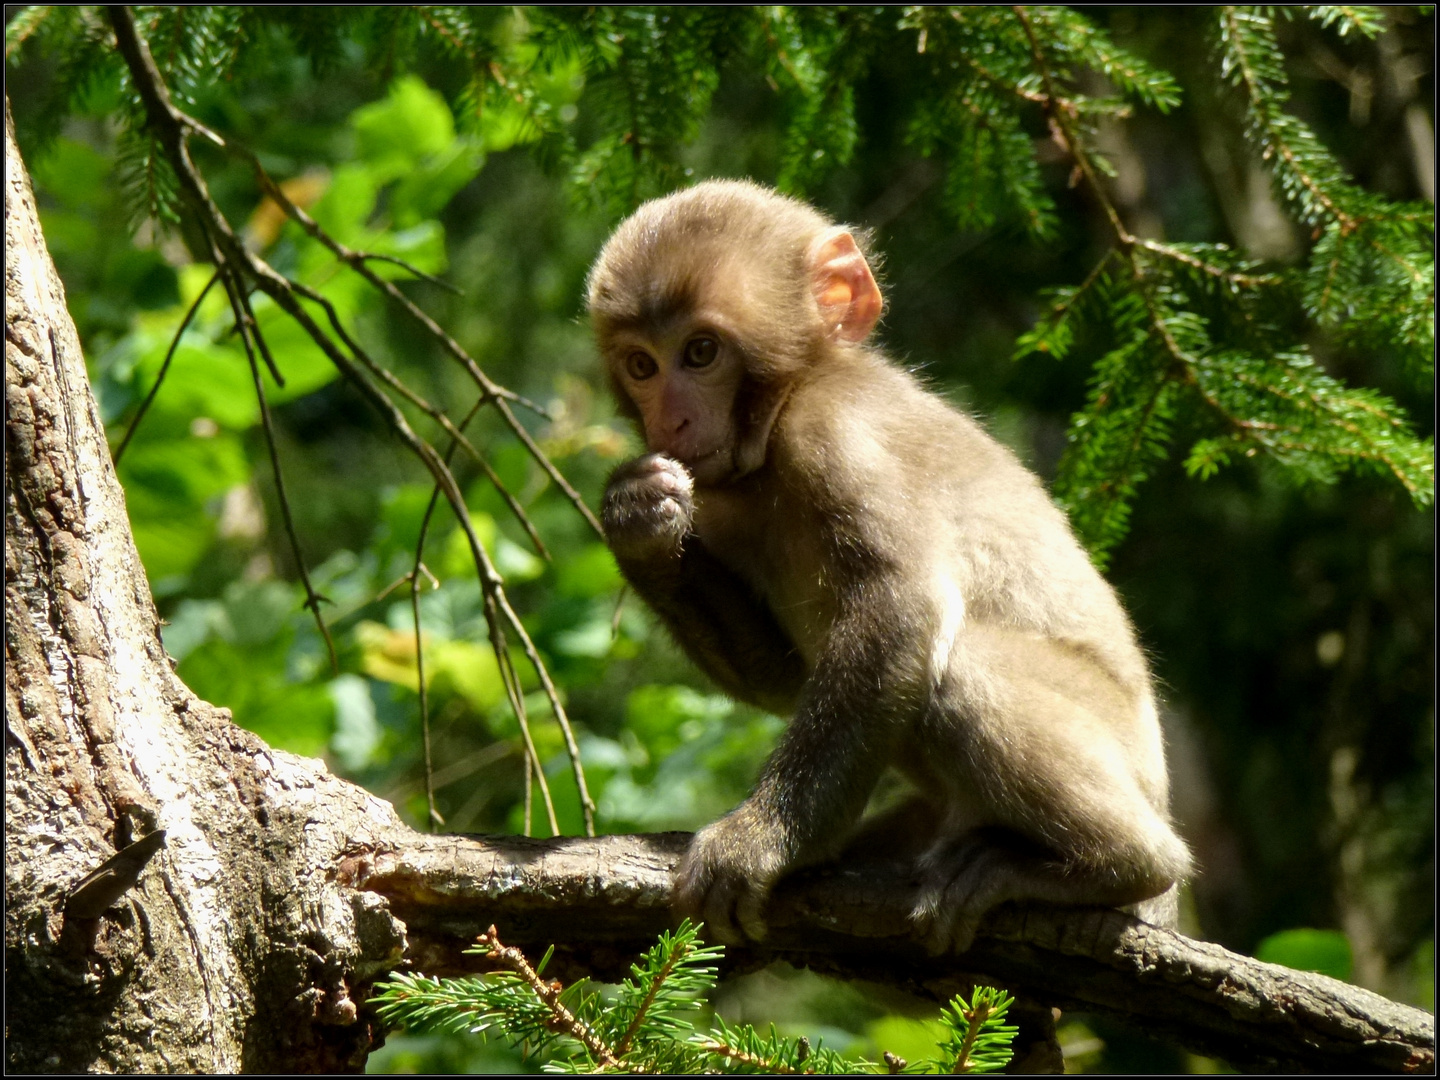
(250, 938)
(236, 949)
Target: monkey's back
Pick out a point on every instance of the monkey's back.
(995, 548)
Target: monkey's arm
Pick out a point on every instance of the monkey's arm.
(722, 626)
(814, 788)
(712, 613)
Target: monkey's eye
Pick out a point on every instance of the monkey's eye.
(638, 365)
(701, 352)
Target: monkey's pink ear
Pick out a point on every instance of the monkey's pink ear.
(845, 290)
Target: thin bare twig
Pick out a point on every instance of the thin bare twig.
(510, 679)
(164, 368)
(434, 817)
(587, 804)
(508, 675)
(493, 390)
(171, 128)
(375, 256)
(244, 298)
(619, 610)
(435, 413)
(434, 814)
(527, 797)
(238, 304)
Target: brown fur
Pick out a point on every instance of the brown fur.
(828, 539)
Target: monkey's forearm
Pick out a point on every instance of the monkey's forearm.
(840, 740)
(722, 626)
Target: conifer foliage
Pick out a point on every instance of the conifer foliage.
(1185, 338)
(653, 1021)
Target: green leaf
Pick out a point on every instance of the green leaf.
(396, 134)
(169, 488)
(303, 363)
(425, 190)
(205, 379)
(357, 732)
(1325, 951)
(590, 572)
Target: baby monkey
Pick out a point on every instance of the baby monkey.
(830, 541)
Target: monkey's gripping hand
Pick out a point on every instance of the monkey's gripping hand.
(648, 508)
(726, 875)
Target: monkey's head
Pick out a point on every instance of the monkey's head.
(710, 303)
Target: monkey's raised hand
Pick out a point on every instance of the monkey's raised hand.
(727, 873)
(648, 508)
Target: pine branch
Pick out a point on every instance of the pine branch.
(979, 1039)
(563, 1020)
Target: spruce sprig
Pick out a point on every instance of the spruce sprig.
(1370, 278)
(651, 1022)
(978, 1040)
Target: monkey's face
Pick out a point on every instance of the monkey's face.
(710, 305)
(682, 379)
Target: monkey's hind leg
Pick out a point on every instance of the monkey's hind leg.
(1162, 910)
(968, 877)
(963, 878)
(1067, 801)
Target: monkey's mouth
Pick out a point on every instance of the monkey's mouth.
(711, 466)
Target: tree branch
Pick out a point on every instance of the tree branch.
(600, 901)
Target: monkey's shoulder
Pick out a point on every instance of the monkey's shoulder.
(866, 426)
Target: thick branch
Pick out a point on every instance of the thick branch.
(602, 900)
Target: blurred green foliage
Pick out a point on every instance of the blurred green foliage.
(1290, 620)
(1325, 951)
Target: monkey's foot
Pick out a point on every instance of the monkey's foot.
(961, 883)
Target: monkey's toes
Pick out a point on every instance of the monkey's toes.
(950, 934)
(748, 912)
(719, 911)
(943, 928)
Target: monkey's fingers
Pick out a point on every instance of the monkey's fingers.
(929, 927)
(708, 897)
(691, 885)
(947, 930)
(654, 470)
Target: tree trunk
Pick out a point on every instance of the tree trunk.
(182, 898)
(235, 948)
